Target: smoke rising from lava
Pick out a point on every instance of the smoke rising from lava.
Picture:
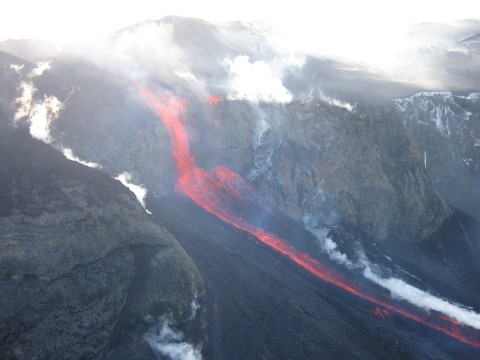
(217, 190)
(398, 288)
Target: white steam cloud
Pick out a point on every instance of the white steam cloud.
(326, 244)
(25, 100)
(399, 289)
(194, 306)
(329, 246)
(336, 102)
(186, 75)
(68, 153)
(170, 342)
(42, 115)
(17, 68)
(139, 190)
(39, 113)
(255, 81)
(40, 69)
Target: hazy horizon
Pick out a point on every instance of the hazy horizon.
(372, 32)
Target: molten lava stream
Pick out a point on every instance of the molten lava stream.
(217, 192)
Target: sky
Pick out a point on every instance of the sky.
(350, 29)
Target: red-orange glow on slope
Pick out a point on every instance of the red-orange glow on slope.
(381, 313)
(171, 109)
(219, 190)
(214, 100)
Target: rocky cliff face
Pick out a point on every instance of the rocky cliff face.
(325, 165)
(85, 270)
(446, 128)
(318, 163)
(74, 246)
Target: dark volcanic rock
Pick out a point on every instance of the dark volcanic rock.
(325, 165)
(262, 306)
(447, 128)
(317, 162)
(70, 258)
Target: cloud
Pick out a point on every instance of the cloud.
(169, 342)
(139, 190)
(255, 81)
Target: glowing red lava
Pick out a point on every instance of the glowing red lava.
(214, 100)
(381, 313)
(218, 191)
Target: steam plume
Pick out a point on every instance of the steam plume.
(68, 153)
(40, 114)
(139, 190)
(40, 69)
(17, 68)
(399, 289)
(169, 342)
(255, 81)
(336, 102)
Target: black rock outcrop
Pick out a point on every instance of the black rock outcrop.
(74, 248)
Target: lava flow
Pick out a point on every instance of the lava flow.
(221, 190)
